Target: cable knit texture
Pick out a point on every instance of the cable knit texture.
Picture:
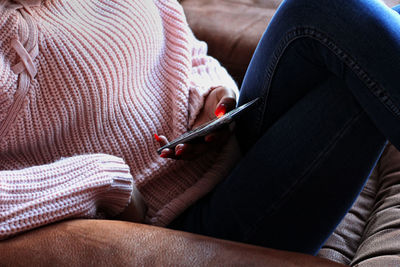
(91, 81)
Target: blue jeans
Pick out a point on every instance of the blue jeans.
(328, 75)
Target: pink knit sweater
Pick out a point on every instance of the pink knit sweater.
(84, 85)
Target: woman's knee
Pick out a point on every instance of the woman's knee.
(360, 20)
(348, 12)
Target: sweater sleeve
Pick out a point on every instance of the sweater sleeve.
(207, 74)
(87, 186)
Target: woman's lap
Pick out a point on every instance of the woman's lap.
(313, 140)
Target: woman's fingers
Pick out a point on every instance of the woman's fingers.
(165, 153)
(227, 101)
(162, 140)
(220, 101)
(212, 141)
(168, 153)
(191, 151)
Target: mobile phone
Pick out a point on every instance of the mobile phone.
(210, 126)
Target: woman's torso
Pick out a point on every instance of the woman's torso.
(104, 77)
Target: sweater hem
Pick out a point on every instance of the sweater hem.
(228, 157)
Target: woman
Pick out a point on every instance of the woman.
(85, 85)
(90, 82)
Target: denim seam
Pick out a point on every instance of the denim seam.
(303, 32)
(377, 90)
(298, 182)
(309, 32)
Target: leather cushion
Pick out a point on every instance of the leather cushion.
(117, 243)
(342, 245)
(380, 243)
(231, 28)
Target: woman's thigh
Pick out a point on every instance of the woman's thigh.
(357, 41)
(329, 99)
(295, 184)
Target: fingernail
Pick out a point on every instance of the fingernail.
(157, 137)
(163, 154)
(178, 151)
(220, 110)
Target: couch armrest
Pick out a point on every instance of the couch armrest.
(117, 243)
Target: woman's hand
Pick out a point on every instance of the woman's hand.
(218, 102)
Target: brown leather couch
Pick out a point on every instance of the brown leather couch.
(116, 243)
(232, 29)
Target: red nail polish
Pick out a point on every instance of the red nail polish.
(157, 137)
(220, 111)
(178, 151)
(163, 155)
